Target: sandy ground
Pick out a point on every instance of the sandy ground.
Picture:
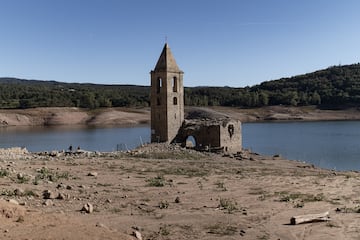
(128, 116)
(165, 192)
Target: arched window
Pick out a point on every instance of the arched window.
(175, 100)
(158, 84)
(174, 84)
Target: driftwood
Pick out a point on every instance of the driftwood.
(320, 217)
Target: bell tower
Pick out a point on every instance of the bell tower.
(167, 98)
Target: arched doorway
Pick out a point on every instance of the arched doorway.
(190, 142)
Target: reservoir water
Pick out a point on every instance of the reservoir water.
(332, 145)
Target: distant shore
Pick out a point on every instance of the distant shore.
(136, 116)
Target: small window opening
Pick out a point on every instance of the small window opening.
(159, 85)
(158, 101)
(175, 100)
(231, 130)
(174, 84)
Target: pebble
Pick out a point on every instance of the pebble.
(137, 234)
(19, 192)
(47, 194)
(92, 174)
(48, 202)
(13, 201)
(63, 196)
(100, 225)
(88, 208)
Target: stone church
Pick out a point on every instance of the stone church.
(211, 132)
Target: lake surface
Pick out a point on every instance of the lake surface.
(332, 145)
(37, 139)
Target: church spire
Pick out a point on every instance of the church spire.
(167, 61)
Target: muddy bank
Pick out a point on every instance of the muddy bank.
(73, 116)
(128, 116)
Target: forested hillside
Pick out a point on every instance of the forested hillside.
(336, 86)
(18, 93)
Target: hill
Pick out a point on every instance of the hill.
(20, 93)
(334, 87)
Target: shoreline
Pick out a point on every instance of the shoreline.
(138, 116)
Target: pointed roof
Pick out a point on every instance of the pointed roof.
(167, 61)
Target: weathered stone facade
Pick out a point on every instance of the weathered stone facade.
(167, 98)
(222, 135)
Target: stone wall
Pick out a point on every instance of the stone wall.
(212, 135)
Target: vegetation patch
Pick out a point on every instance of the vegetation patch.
(50, 175)
(222, 229)
(158, 181)
(189, 171)
(302, 197)
(7, 193)
(163, 204)
(221, 186)
(23, 179)
(228, 205)
(4, 173)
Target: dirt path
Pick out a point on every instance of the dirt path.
(165, 192)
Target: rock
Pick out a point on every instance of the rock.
(93, 174)
(177, 200)
(63, 196)
(101, 225)
(20, 176)
(88, 208)
(19, 192)
(13, 201)
(68, 187)
(54, 154)
(137, 234)
(48, 202)
(47, 194)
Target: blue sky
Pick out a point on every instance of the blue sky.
(233, 43)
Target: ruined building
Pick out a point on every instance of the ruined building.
(209, 131)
